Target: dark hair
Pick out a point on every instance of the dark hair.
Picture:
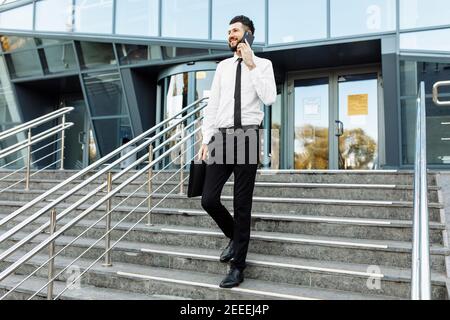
(245, 21)
(125, 140)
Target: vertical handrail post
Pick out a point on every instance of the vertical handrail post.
(108, 262)
(27, 177)
(63, 140)
(421, 278)
(150, 186)
(182, 151)
(51, 263)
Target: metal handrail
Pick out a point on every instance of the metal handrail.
(146, 142)
(421, 278)
(35, 122)
(91, 168)
(32, 140)
(436, 87)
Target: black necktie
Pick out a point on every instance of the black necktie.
(237, 96)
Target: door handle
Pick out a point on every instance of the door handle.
(338, 128)
(81, 137)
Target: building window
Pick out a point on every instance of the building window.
(434, 40)
(18, 19)
(133, 53)
(60, 58)
(224, 10)
(24, 64)
(54, 15)
(137, 17)
(93, 16)
(356, 17)
(438, 130)
(424, 13)
(105, 94)
(294, 20)
(95, 54)
(185, 19)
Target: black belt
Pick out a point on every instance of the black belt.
(231, 130)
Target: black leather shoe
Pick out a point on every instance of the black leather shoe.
(227, 253)
(233, 278)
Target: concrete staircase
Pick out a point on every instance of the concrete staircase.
(315, 235)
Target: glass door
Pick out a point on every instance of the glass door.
(79, 145)
(311, 123)
(357, 123)
(335, 120)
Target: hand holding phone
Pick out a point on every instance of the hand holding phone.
(248, 37)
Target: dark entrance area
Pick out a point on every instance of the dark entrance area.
(38, 98)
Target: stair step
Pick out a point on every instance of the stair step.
(377, 229)
(192, 284)
(31, 286)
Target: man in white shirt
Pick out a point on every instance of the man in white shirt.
(241, 86)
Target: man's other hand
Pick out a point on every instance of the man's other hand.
(203, 153)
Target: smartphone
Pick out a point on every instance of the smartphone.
(249, 37)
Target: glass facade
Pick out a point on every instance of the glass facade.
(113, 59)
(96, 55)
(287, 22)
(438, 147)
(54, 15)
(137, 17)
(362, 17)
(224, 10)
(424, 13)
(93, 16)
(433, 40)
(20, 18)
(176, 22)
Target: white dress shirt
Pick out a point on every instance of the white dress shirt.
(258, 88)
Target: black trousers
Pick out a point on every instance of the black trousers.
(217, 174)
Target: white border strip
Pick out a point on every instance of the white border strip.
(299, 240)
(210, 286)
(269, 264)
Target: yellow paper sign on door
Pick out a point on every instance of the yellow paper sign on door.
(358, 105)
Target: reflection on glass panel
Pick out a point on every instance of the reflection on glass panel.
(408, 78)
(311, 124)
(177, 94)
(358, 111)
(96, 54)
(276, 127)
(9, 114)
(413, 72)
(362, 16)
(60, 58)
(408, 111)
(132, 53)
(11, 43)
(434, 40)
(24, 64)
(297, 20)
(173, 52)
(105, 94)
(54, 15)
(110, 132)
(185, 19)
(224, 10)
(19, 18)
(203, 84)
(424, 13)
(438, 133)
(137, 17)
(93, 16)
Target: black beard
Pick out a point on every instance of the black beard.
(233, 49)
